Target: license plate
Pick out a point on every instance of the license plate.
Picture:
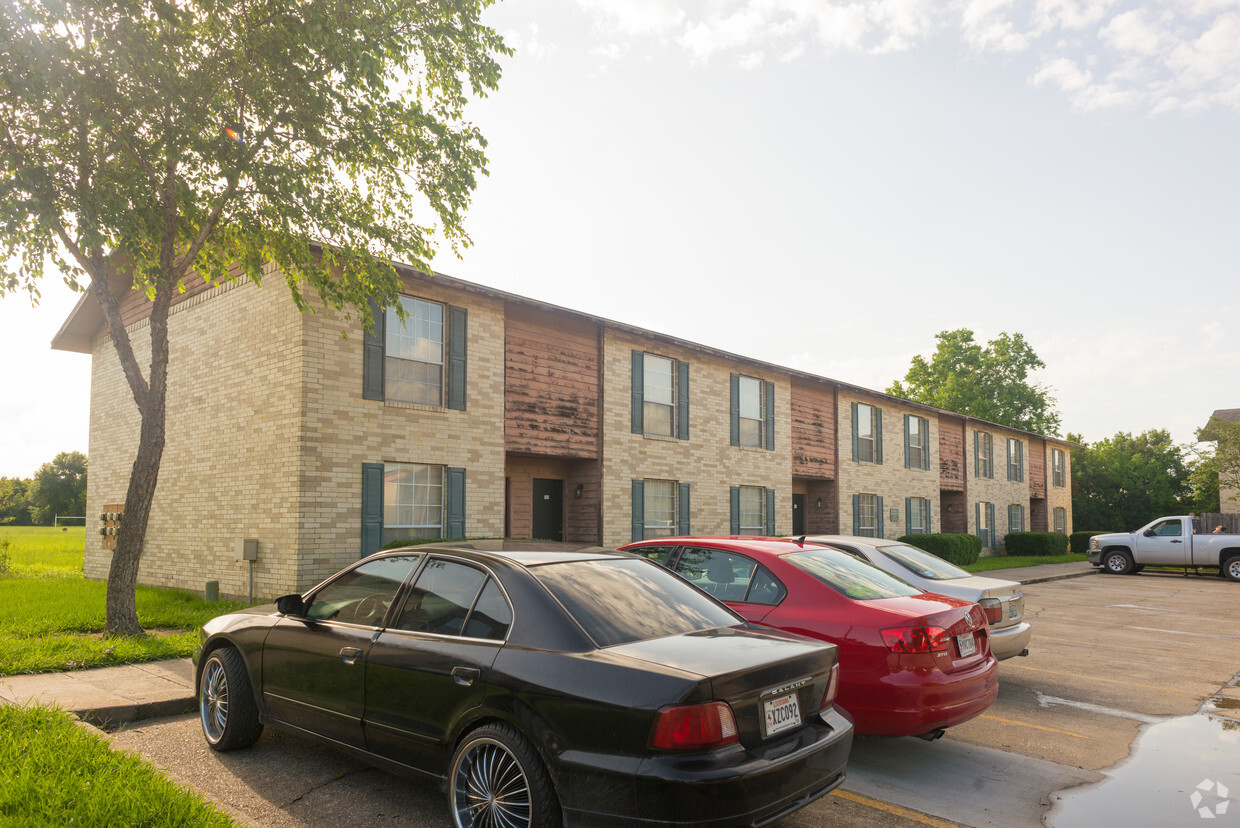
(967, 644)
(1013, 612)
(781, 714)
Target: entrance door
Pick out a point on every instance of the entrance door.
(798, 514)
(549, 509)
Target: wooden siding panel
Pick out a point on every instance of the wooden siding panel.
(813, 431)
(551, 385)
(951, 455)
(1036, 458)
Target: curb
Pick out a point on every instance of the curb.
(113, 717)
(1059, 577)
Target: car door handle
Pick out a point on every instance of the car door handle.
(465, 676)
(1177, 541)
(349, 655)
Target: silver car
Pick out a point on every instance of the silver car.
(1003, 601)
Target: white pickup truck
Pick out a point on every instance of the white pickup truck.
(1168, 541)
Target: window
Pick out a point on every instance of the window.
(660, 509)
(421, 360)
(412, 501)
(867, 429)
(868, 516)
(922, 563)
(1057, 468)
(752, 519)
(753, 413)
(850, 577)
(1016, 518)
(1167, 529)
(729, 576)
(983, 454)
(1061, 520)
(660, 404)
(916, 442)
(985, 515)
(362, 595)
(917, 515)
(1016, 460)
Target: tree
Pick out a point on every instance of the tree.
(1224, 460)
(58, 488)
(990, 383)
(144, 143)
(1203, 480)
(1125, 481)
(14, 510)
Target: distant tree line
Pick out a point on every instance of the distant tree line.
(57, 488)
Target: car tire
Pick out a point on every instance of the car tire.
(1118, 563)
(226, 705)
(497, 779)
(1138, 568)
(1231, 568)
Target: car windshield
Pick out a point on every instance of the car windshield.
(850, 577)
(620, 601)
(921, 562)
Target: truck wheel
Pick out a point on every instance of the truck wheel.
(1118, 563)
(1231, 568)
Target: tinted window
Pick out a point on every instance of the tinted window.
(729, 576)
(923, 563)
(441, 598)
(658, 554)
(850, 577)
(491, 616)
(362, 595)
(1167, 529)
(619, 601)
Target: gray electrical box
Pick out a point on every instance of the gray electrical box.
(247, 550)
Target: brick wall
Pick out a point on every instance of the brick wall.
(997, 489)
(890, 480)
(1058, 496)
(951, 454)
(706, 460)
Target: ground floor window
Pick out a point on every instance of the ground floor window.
(868, 516)
(1016, 518)
(986, 524)
(1061, 520)
(659, 508)
(412, 501)
(752, 510)
(917, 517)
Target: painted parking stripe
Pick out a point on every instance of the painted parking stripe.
(1046, 701)
(895, 810)
(1194, 635)
(1035, 727)
(1108, 681)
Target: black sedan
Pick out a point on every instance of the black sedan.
(538, 688)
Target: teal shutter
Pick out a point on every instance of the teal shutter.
(906, 444)
(908, 514)
(770, 416)
(734, 506)
(638, 395)
(373, 344)
(925, 450)
(1020, 462)
(881, 532)
(770, 511)
(682, 401)
(458, 331)
(856, 452)
(990, 521)
(977, 458)
(878, 437)
(372, 507)
(735, 411)
(977, 522)
(454, 503)
(683, 528)
(856, 497)
(639, 508)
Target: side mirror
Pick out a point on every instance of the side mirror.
(1149, 533)
(291, 605)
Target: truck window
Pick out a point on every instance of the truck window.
(1166, 529)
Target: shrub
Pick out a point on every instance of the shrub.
(4, 557)
(1078, 542)
(1036, 544)
(959, 549)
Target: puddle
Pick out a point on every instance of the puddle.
(1181, 772)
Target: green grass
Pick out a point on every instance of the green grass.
(52, 618)
(53, 772)
(1014, 561)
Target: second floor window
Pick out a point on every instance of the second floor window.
(1057, 467)
(1016, 460)
(659, 395)
(750, 394)
(983, 455)
(916, 442)
(867, 423)
(414, 353)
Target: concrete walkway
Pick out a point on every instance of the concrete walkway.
(111, 696)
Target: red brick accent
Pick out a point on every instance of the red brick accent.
(1037, 470)
(551, 384)
(955, 512)
(952, 463)
(813, 431)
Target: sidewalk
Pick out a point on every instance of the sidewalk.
(111, 696)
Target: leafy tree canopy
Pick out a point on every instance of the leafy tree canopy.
(13, 506)
(990, 383)
(1225, 457)
(1123, 482)
(58, 488)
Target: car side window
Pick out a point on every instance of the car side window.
(491, 615)
(765, 588)
(725, 575)
(363, 594)
(441, 598)
(659, 554)
(1167, 529)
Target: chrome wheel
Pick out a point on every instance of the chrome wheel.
(1231, 569)
(489, 787)
(213, 700)
(1118, 563)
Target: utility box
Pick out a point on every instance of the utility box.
(247, 550)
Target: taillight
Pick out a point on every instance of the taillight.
(916, 639)
(833, 684)
(693, 727)
(993, 608)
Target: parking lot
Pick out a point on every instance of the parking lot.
(1109, 655)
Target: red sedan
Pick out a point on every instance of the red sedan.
(911, 662)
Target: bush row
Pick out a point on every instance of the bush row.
(961, 550)
(1035, 543)
(1078, 542)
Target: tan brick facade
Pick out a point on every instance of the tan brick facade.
(1058, 497)
(996, 488)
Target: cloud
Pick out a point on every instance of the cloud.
(527, 43)
(1164, 56)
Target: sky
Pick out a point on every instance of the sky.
(826, 185)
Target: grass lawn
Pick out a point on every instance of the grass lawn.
(52, 618)
(1013, 561)
(53, 772)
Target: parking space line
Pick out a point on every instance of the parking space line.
(1035, 727)
(1109, 681)
(895, 810)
